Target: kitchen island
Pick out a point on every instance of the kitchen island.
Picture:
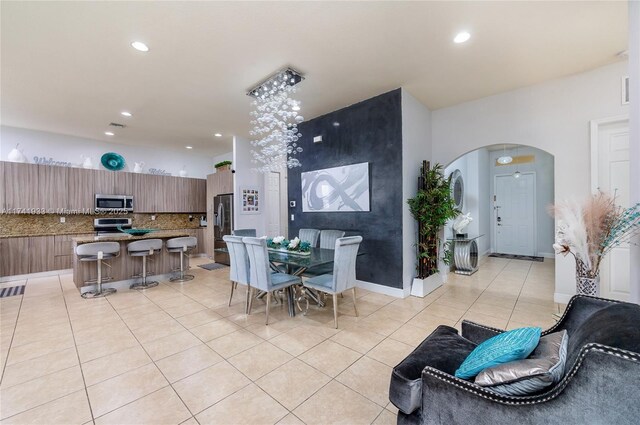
(123, 267)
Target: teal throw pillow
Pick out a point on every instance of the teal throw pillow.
(512, 345)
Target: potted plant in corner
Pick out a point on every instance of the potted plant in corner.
(432, 207)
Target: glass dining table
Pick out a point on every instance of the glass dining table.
(296, 264)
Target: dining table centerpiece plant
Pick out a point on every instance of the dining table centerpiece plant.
(294, 245)
(589, 231)
(432, 207)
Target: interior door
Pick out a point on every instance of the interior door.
(273, 204)
(613, 177)
(515, 214)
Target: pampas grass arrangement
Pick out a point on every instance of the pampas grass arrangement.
(588, 231)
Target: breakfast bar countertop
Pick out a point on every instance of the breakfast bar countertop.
(159, 234)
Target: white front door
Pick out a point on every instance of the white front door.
(613, 178)
(273, 204)
(515, 214)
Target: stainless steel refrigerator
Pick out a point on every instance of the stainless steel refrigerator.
(223, 224)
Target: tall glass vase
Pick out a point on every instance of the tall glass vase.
(586, 282)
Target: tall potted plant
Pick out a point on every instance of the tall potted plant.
(432, 207)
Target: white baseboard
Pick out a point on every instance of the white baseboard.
(382, 289)
(561, 298)
(34, 275)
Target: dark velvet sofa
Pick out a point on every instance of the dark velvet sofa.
(601, 384)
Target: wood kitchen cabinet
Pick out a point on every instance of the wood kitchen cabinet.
(36, 254)
(63, 250)
(201, 235)
(185, 200)
(225, 181)
(123, 183)
(53, 190)
(168, 194)
(41, 254)
(201, 196)
(194, 195)
(172, 195)
(144, 193)
(81, 189)
(35, 187)
(21, 186)
(104, 182)
(218, 183)
(15, 256)
(2, 203)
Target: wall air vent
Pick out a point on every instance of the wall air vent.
(625, 90)
(115, 124)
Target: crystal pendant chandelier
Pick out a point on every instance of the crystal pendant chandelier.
(275, 120)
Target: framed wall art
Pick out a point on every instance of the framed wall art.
(250, 201)
(338, 189)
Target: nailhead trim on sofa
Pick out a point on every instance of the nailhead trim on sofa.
(528, 400)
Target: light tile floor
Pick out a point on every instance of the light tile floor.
(178, 354)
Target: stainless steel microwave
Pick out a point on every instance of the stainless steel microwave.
(114, 203)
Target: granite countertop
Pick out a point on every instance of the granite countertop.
(160, 234)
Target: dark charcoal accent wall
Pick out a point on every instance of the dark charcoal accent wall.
(369, 131)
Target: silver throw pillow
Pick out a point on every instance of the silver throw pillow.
(544, 367)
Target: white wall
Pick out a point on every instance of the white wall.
(634, 136)
(553, 116)
(543, 167)
(246, 177)
(66, 148)
(416, 146)
(485, 210)
(474, 168)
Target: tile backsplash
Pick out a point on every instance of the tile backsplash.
(49, 224)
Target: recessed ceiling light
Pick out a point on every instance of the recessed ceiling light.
(218, 135)
(461, 37)
(126, 114)
(139, 45)
(109, 133)
(336, 124)
(189, 147)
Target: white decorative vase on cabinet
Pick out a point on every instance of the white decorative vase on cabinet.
(16, 155)
(138, 167)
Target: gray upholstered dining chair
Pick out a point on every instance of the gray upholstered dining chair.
(260, 274)
(344, 273)
(309, 235)
(244, 232)
(328, 238)
(239, 265)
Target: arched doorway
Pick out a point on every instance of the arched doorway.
(507, 191)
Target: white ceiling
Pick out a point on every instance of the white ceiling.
(67, 67)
